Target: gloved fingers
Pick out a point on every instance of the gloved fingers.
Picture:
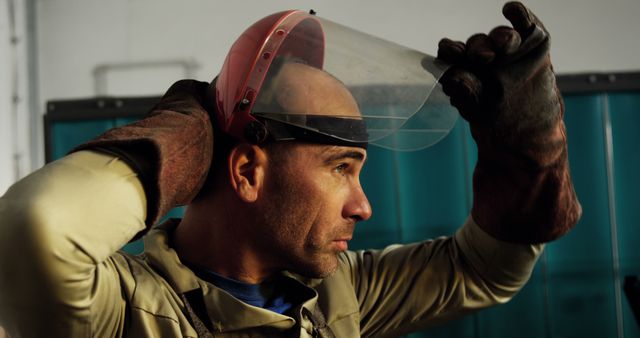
(506, 40)
(194, 88)
(183, 96)
(480, 49)
(464, 90)
(452, 52)
(533, 35)
(520, 17)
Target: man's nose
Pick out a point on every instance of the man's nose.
(358, 206)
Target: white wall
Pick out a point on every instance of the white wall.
(6, 151)
(74, 36)
(15, 131)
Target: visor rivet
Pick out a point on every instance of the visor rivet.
(280, 32)
(243, 104)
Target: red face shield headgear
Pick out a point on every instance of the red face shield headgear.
(400, 104)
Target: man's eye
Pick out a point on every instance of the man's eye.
(341, 168)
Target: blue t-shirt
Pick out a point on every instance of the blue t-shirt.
(275, 295)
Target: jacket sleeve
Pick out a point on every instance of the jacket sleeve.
(403, 288)
(58, 228)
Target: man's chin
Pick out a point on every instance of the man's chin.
(320, 270)
(325, 274)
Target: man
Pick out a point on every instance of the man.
(262, 249)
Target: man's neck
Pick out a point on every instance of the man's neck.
(212, 236)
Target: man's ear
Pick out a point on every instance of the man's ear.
(247, 164)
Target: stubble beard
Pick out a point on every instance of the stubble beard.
(288, 217)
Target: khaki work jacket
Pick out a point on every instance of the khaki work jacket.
(62, 276)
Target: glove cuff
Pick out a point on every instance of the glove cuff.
(528, 197)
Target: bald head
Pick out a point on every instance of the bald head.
(305, 90)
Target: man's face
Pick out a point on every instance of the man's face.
(313, 200)
(313, 196)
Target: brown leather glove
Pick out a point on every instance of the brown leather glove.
(170, 149)
(503, 84)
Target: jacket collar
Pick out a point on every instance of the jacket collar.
(225, 312)
(165, 260)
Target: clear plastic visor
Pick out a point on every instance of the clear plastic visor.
(357, 88)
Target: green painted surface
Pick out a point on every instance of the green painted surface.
(379, 180)
(580, 276)
(68, 134)
(625, 125)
